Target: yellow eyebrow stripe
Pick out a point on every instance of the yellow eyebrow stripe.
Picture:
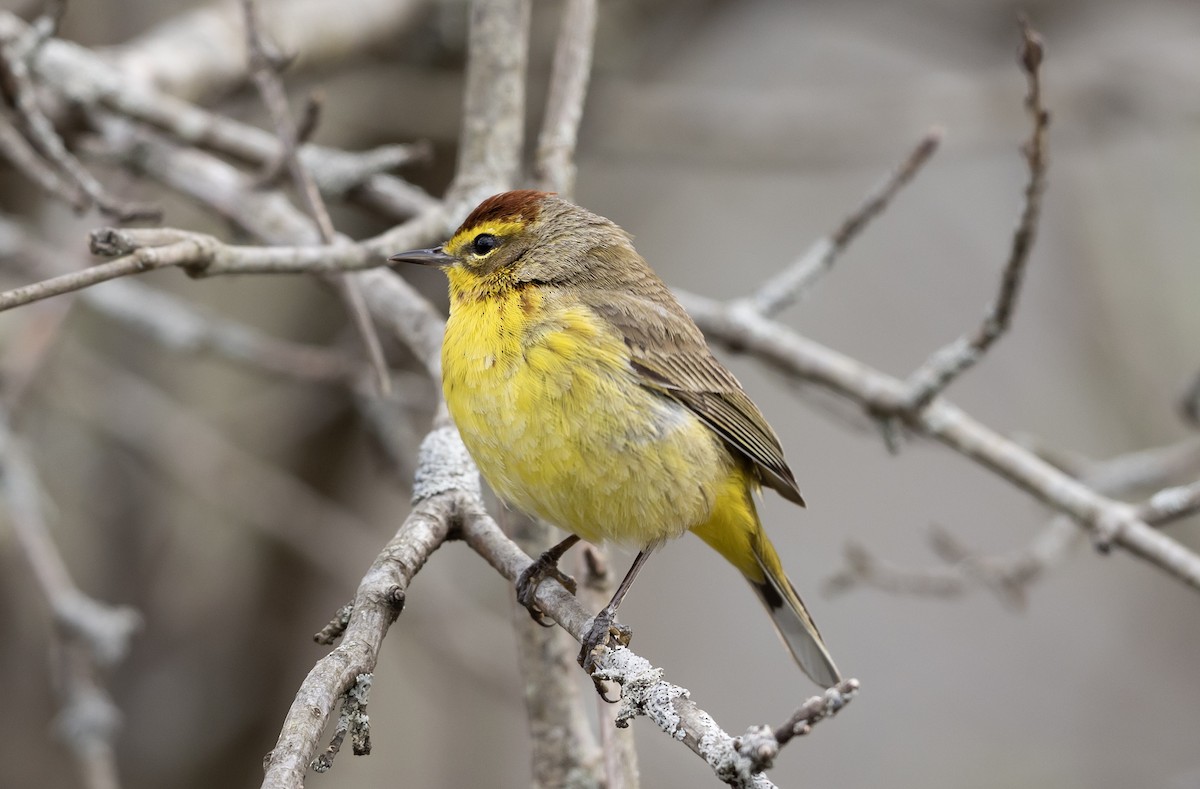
(458, 243)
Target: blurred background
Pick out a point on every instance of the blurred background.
(237, 510)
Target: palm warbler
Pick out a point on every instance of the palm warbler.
(590, 399)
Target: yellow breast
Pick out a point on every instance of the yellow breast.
(544, 396)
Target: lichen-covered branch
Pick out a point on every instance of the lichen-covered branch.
(444, 471)
(643, 690)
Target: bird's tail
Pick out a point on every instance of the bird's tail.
(791, 619)
(736, 533)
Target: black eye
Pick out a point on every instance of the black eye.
(483, 244)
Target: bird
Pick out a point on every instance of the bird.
(589, 399)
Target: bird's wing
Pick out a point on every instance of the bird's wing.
(670, 355)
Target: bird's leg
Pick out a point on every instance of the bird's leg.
(545, 566)
(604, 629)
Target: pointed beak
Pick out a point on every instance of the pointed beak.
(423, 257)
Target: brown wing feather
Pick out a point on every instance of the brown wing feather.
(670, 354)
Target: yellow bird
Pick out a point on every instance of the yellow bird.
(589, 399)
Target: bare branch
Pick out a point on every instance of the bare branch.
(15, 46)
(1109, 521)
(1010, 576)
(1189, 404)
(265, 68)
(190, 328)
(644, 692)
(185, 252)
(194, 54)
(792, 283)
(493, 131)
(564, 751)
(90, 81)
(352, 720)
(17, 150)
(945, 365)
(444, 473)
(1171, 504)
(555, 166)
(616, 743)
(93, 635)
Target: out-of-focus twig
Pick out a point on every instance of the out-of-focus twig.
(21, 155)
(265, 64)
(93, 635)
(794, 281)
(1110, 522)
(564, 750)
(617, 744)
(194, 54)
(1189, 404)
(493, 130)
(554, 169)
(17, 85)
(932, 377)
(236, 483)
(190, 328)
(1011, 576)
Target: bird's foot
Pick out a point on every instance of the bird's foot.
(606, 633)
(545, 566)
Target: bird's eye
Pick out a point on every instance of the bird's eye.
(483, 244)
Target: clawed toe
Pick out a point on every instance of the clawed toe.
(605, 632)
(545, 566)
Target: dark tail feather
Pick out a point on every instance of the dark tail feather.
(792, 620)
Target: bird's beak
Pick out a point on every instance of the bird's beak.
(423, 257)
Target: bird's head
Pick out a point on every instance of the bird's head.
(524, 236)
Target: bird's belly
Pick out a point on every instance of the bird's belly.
(563, 430)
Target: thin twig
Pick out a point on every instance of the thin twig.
(1189, 404)
(932, 377)
(644, 692)
(1011, 576)
(352, 720)
(617, 743)
(792, 283)
(1171, 504)
(237, 484)
(1109, 521)
(563, 748)
(493, 131)
(186, 252)
(92, 635)
(554, 169)
(21, 155)
(815, 710)
(182, 326)
(17, 84)
(444, 471)
(265, 67)
(265, 63)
